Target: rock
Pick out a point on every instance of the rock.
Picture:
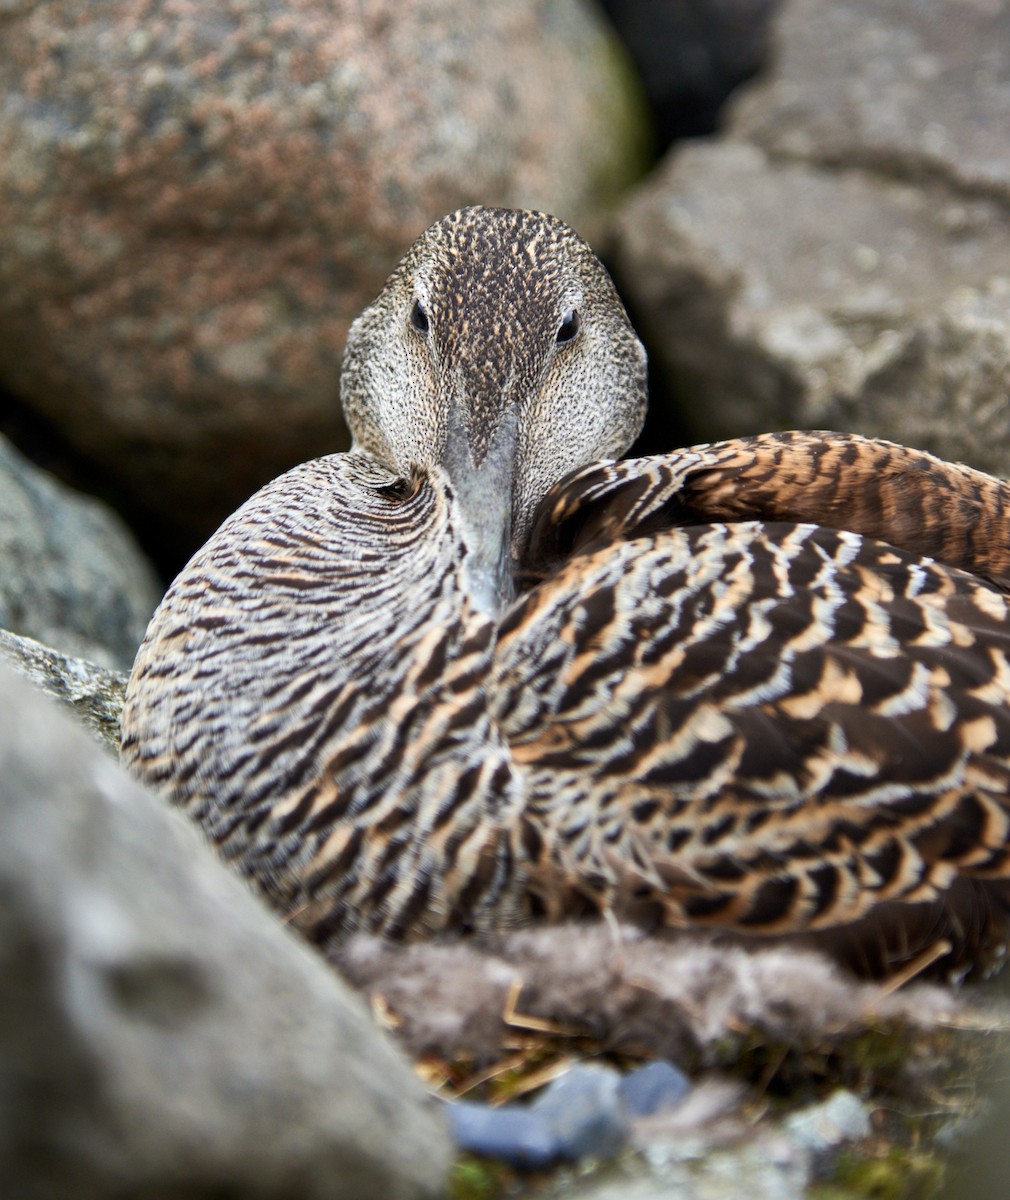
(73, 576)
(507, 1132)
(943, 381)
(904, 90)
(161, 1034)
(822, 1127)
(840, 257)
(585, 1111)
(764, 1168)
(690, 55)
(658, 1087)
(579, 1114)
(93, 694)
(197, 202)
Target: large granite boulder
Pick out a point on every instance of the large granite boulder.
(840, 256)
(198, 199)
(161, 1034)
(72, 575)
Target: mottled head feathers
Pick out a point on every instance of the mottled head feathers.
(496, 318)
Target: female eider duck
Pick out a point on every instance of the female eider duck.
(474, 673)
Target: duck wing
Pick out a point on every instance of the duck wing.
(769, 726)
(896, 494)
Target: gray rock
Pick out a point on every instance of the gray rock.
(93, 694)
(197, 202)
(765, 1168)
(841, 256)
(580, 1114)
(656, 1088)
(72, 576)
(585, 1111)
(507, 1132)
(906, 90)
(160, 1033)
(842, 1118)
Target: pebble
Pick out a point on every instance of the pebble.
(586, 1111)
(843, 1117)
(655, 1088)
(509, 1133)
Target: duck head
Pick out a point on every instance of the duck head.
(499, 352)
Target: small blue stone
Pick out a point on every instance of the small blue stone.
(584, 1110)
(653, 1089)
(509, 1133)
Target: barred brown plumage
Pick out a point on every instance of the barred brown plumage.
(473, 673)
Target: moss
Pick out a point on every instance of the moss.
(892, 1173)
(632, 152)
(477, 1179)
(890, 1060)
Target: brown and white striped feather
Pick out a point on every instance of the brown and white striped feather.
(312, 691)
(691, 716)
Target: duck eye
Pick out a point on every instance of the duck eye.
(569, 327)
(419, 318)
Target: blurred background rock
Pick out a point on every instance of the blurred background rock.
(838, 257)
(196, 200)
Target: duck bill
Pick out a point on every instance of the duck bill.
(481, 472)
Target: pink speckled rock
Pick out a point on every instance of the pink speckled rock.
(196, 199)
